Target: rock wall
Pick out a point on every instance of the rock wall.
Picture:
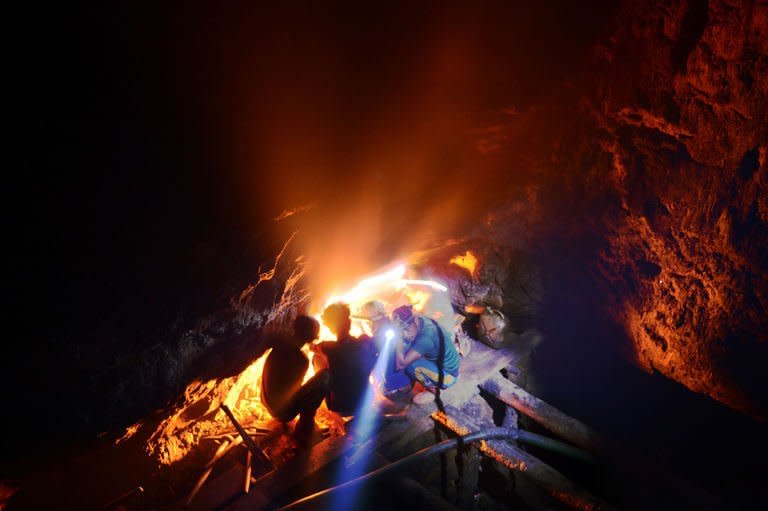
(668, 169)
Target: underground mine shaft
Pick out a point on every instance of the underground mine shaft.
(531, 238)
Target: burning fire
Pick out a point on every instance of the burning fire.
(391, 288)
(468, 261)
(200, 416)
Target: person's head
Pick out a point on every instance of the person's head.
(405, 319)
(375, 312)
(305, 329)
(336, 318)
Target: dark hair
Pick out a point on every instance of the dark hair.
(404, 315)
(306, 328)
(337, 317)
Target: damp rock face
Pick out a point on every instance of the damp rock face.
(670, 170)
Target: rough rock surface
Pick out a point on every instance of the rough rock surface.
(669, 170)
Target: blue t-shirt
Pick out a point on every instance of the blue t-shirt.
(427, 342)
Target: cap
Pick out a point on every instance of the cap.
(404, 315)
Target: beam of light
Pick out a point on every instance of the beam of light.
(365, 422)
(429, 283)
(369, 286)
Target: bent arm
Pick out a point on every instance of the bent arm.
(403, 360)
(320, 360)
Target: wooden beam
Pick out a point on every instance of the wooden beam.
(545, 414)
(546, 477)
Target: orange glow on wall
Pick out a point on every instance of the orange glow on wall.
(468, 261)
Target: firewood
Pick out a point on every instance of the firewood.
(223, 449)
(220, 452)
(265, 463)
(138, 491)
(248, 457)
(200, 482)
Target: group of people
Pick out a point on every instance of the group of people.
(417, 356)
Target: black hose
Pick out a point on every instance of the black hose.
(556, 446)
(446, 445)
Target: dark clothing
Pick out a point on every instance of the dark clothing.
(281, 389)
(350, 363)
(307, 400)
(394, 379)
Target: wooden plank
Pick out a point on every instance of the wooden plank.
(475, 368)
(321, 455)
(545, 414)
(305, 464)
(393, 437)
(425, 498)
(546, 477)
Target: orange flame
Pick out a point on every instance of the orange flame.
(468, 261)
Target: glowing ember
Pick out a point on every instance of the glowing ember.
(468, 261)
(129, 432)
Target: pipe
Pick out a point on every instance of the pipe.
(446, 445)
(553, 445)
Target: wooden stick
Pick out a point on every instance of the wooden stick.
(262, 458)
(125, 496)
(223, 449)
(545, 414)
(228, 435)
(248, 457)
(198, 485)
(220, 452)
